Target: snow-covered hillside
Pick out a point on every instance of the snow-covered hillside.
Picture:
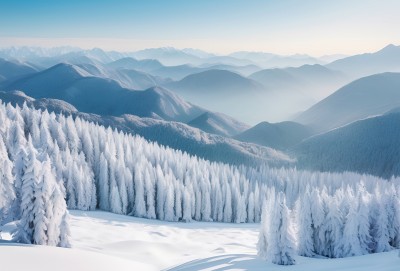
(105, 241)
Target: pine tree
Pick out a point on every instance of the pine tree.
(305, 225)
(25, 229)
(7, 193)
(279, 243)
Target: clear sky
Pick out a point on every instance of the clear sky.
(314, 27)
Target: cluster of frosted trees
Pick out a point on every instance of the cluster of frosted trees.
(87, 166)
(347, 221)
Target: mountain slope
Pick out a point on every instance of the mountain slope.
(220, 124)
(145, 65)
(211, 81)
(166, 55)
(368, 146)
(12, 69)
(384, 60)
(224, 91)
(372, 95)
(268, 60)
(176, 72)
(104, 96)
(276, 135)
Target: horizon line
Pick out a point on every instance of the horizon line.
(109, 45)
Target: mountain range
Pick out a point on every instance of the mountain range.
(206, 104)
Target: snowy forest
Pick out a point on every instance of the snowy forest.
(50, 162)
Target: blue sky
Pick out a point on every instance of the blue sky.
(280, 26)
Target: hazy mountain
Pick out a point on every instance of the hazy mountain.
(176, 72)
(313, 81)
(384, 60)
(145, 65)
(198, 53)
(368, 96)
(223, 91)
(253, 56)
(47, 57)
(368, 146)
(127, 78)
(103, 96)
(331, 58)
(166, 55)
(28, 52)
(243, 70)
(277, 78)
(280, 136)
(290, 61)
(268, 60)
(226, 60)
(181, 71)
(217, 123)
(216, 82)
(168, 133)
(10, 70)
(139, 80)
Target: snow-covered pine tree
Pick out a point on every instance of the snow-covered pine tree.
(7, 193)
(263, 242)
(279, 242)
(305, 224)
(31, 174)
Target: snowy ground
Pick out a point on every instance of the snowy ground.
(105, 241)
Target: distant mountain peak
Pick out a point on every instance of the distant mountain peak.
(389, 49)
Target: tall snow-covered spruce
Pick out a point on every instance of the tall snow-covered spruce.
(42, 204)
(276, 241)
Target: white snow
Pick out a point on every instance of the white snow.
(105, 241)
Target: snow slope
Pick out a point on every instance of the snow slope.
(368, 96)
(42, 258)
(104, 241)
